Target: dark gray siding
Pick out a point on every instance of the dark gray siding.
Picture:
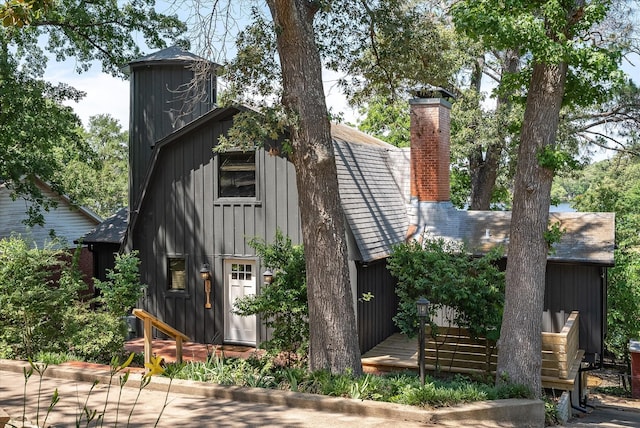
(160, 104)
(103, 259)
(180, 216)
(375, 316)
(577, 288)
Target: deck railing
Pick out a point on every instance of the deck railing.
(453, 349)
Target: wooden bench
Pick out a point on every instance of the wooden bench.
(150, 321)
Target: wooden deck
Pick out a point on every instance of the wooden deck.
(397, 352)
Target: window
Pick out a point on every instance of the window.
(177, 275)
(237, 175)
(241, 272)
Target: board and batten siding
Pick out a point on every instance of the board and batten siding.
(158, 90)
(181, 216)
(582, 288)
(375, 317)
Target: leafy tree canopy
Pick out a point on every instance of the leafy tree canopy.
(614, 185)
(38, 134)
(100, 182)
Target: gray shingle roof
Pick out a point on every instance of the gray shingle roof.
(371, 199)
(589, 237)
(110, 231)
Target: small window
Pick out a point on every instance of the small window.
(177, 274)
(237, 175)
(241, 272)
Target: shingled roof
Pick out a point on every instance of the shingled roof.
(110, 231)
(371, 199)
(588, 237)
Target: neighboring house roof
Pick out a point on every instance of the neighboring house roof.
(67, 220)
(588, 237)
(110, 231)
(371, 199)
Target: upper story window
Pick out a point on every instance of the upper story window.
(237, 175)
(177, 275)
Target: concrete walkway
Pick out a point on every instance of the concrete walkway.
(197, 404)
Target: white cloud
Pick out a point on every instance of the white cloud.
(105, 94)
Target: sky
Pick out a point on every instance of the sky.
(110, 95)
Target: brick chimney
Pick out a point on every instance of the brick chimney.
(430, 146)
(430, 204)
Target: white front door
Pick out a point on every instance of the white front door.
(240, 281)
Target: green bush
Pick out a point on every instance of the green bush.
(94, 335)
(43, 316)
(123, 289)
(449, 276)
(33, 304)
(401, 388)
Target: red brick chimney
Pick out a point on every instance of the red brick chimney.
(430, 146)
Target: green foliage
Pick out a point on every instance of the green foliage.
(555, 159)
(401, 388)
(47, 357)
(551, 417)
(615, 186)
(549, 32)
(282, 305)
(33, 307)
(387, 120)
(100, 182)
(38, 135)
(94, 335)
(42, 316)
(448, 276)
(122, 290)
(553, 234)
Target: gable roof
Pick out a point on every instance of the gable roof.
(110, 231)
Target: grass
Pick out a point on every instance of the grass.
(399, 387)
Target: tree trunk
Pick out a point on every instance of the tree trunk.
(519, 355)
(484, 172)
(484, 168)
(332, 323)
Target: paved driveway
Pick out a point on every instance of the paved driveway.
(609, 412)
(182, 410)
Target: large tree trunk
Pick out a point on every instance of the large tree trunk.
(519, 355)
(332, 323)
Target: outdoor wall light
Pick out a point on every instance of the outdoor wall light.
(205, 274)
(267, 275)
(422, 308)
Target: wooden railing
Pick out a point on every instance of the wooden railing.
(149, 321)
(453, 349)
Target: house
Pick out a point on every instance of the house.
(65, 221)
(193, 210)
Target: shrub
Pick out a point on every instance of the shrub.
(94, 335)
(42, 315)
(123, 289)
(33, 305)
(449, 276)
